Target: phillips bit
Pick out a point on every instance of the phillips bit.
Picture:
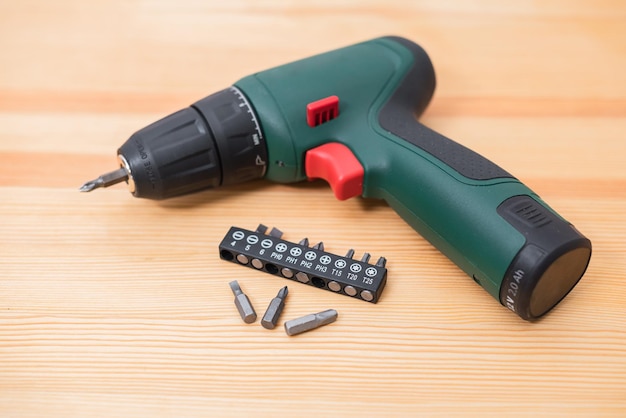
(243, 303)
(274, 309)
(319, 246)
(309, 322)
(106, 180)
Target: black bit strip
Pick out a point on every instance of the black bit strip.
(304, 264)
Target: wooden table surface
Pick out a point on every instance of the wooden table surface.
(112, 306)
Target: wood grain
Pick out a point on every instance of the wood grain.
(113, 306)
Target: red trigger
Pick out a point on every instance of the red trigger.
(335, 163)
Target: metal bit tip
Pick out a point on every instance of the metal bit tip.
(275, 308)
(282, 293)
(234, 286)
(89, 186)
(105, 180)
(246, 311)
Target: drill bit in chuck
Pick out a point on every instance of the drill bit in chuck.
(106, 180)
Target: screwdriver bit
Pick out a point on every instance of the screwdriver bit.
(274, 309)
(276, 233)
(243, 303)
(106, 180)
(309, 322)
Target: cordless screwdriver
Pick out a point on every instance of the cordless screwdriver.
(349, 116)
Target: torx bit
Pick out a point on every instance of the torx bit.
(243, 303)
(275, 308)
(106, 180)
(309, 322)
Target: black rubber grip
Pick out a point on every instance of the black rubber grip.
(217, 141)
(173, 156)
(399, 114)
(237, 134)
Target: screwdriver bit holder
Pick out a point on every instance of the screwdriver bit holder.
(308, 265)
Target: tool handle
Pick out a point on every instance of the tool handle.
(491, 225)
(472, 210)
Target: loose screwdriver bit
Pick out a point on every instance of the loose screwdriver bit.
(275, 308)
(106, 180)
(243, 303)
(309, 322)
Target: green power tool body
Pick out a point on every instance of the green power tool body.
(350, 116)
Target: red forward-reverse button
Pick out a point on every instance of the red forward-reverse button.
(335, 163)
